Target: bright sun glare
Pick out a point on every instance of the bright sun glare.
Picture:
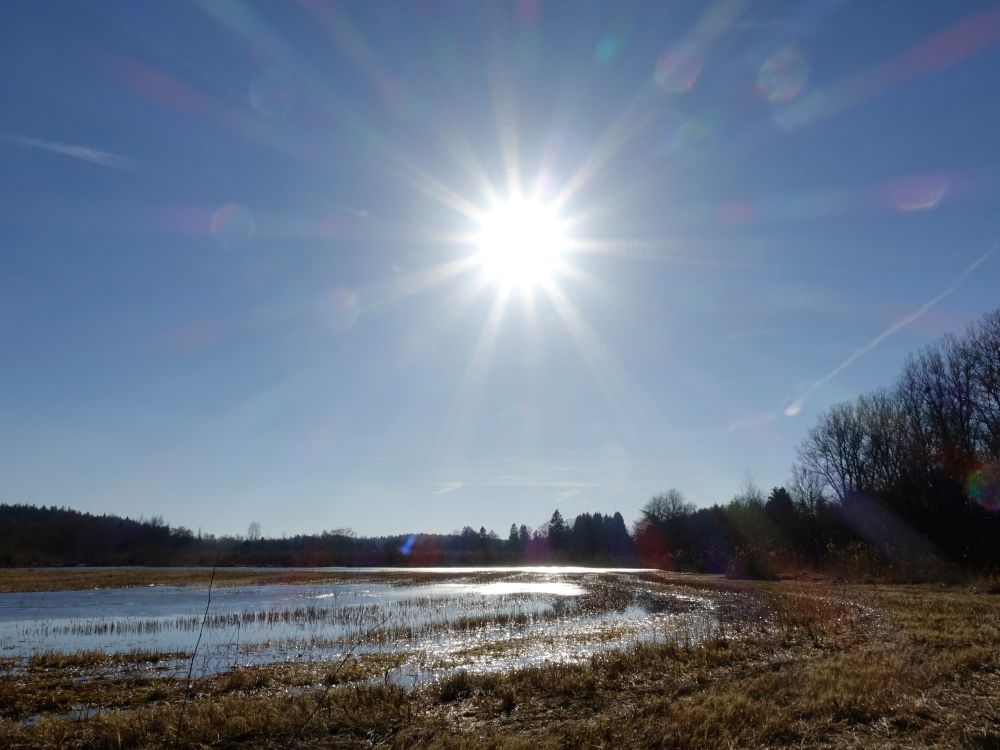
(520, 243)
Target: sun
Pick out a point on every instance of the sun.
(520, 244)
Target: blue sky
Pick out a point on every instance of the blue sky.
(239, 247)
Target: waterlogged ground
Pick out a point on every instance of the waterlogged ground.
(431, 621)
(543, 658)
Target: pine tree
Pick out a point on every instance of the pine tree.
(558, 532)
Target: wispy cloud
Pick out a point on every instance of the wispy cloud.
(450, 487)
(537, 480)
(85, 153)
(796, 406)
(570, 492)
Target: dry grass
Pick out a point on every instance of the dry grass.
(800, 664)
(60, 660)
(65, 579)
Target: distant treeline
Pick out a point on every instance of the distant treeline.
(33, 536)
(903, 482)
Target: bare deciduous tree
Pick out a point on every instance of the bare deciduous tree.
(667, 506)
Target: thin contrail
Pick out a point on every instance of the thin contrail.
(796, 406)
(85, 153)
(450, 487)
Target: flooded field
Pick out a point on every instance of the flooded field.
(431, 621)
(551, 657)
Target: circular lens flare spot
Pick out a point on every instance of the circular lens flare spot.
(984, 487)
(782, 76)
(233, 225)
(341, 308)
(677, 70)
(920, 193)
(520, 244)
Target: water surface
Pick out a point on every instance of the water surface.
(474, 618)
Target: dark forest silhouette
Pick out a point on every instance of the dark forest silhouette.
(32, 536)
(903, 482)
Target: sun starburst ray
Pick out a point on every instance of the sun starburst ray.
(470, 387)
(619, 393)
(409, 284)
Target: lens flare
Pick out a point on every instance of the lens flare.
(917, 193)
(341, 308)
(233, 225)
(406, 548)
(677, 69)
(782, 76)
(984, 489)
(613, 40)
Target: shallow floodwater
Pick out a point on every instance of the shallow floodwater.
(485, 619)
